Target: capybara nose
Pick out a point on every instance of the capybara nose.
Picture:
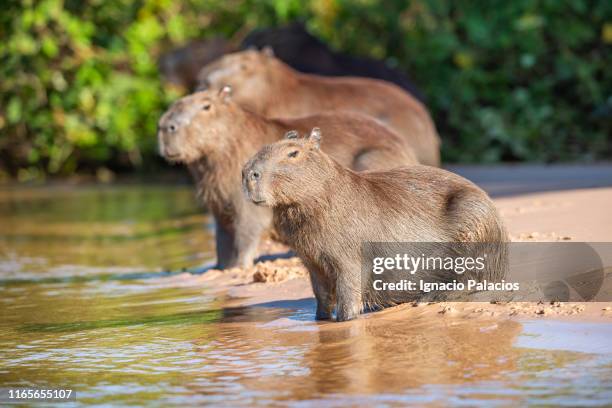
(172, 127)
(168, 124)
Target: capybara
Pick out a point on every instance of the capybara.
(215, 137)
(292, 44)
(266, 85)
(302, 51)
(325, 212)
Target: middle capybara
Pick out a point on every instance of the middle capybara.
(264, 84)
(326, 212)
(215, 137)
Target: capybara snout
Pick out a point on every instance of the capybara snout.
(167, 134)
(252, 183)
(262, 170)
(172, 131)
(180, 130)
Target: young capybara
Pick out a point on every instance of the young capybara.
(325, 212)
(215, 137)
(266, 85)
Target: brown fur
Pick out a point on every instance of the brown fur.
(325, 212)
(266, 85)
(215, 137)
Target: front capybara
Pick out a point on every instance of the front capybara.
(266, 85)
(325, 212)
(215, 136)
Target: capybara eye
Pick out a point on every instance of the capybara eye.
(206, 107)
(293, 153)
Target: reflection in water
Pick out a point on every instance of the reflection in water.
(385, 354)
(136, 340)
(47, 230)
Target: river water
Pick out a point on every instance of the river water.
(83, 305)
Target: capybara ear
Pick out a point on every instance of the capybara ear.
(225, 93)
(315, 137)
(268, 51)
(292, 134)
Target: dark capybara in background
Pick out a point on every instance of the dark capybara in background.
(299, 49)
(325, 212)
(264, 84)
(181, 65)
(292, 44)
(215, 137)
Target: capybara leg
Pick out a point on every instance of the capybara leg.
(324, 310)
(347, 308)
(250, 225)
(348, 297)
(226, 250)
(324, 296)
(247, 248)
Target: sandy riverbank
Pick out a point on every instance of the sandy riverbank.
(573, 215)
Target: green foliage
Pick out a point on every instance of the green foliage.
(80, 83)
(518, 80)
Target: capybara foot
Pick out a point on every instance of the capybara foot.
(343, 317)
(346, 312)
(323, 315)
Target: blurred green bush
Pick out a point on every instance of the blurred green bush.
(518, 80)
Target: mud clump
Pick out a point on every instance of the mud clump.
(279, 270)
